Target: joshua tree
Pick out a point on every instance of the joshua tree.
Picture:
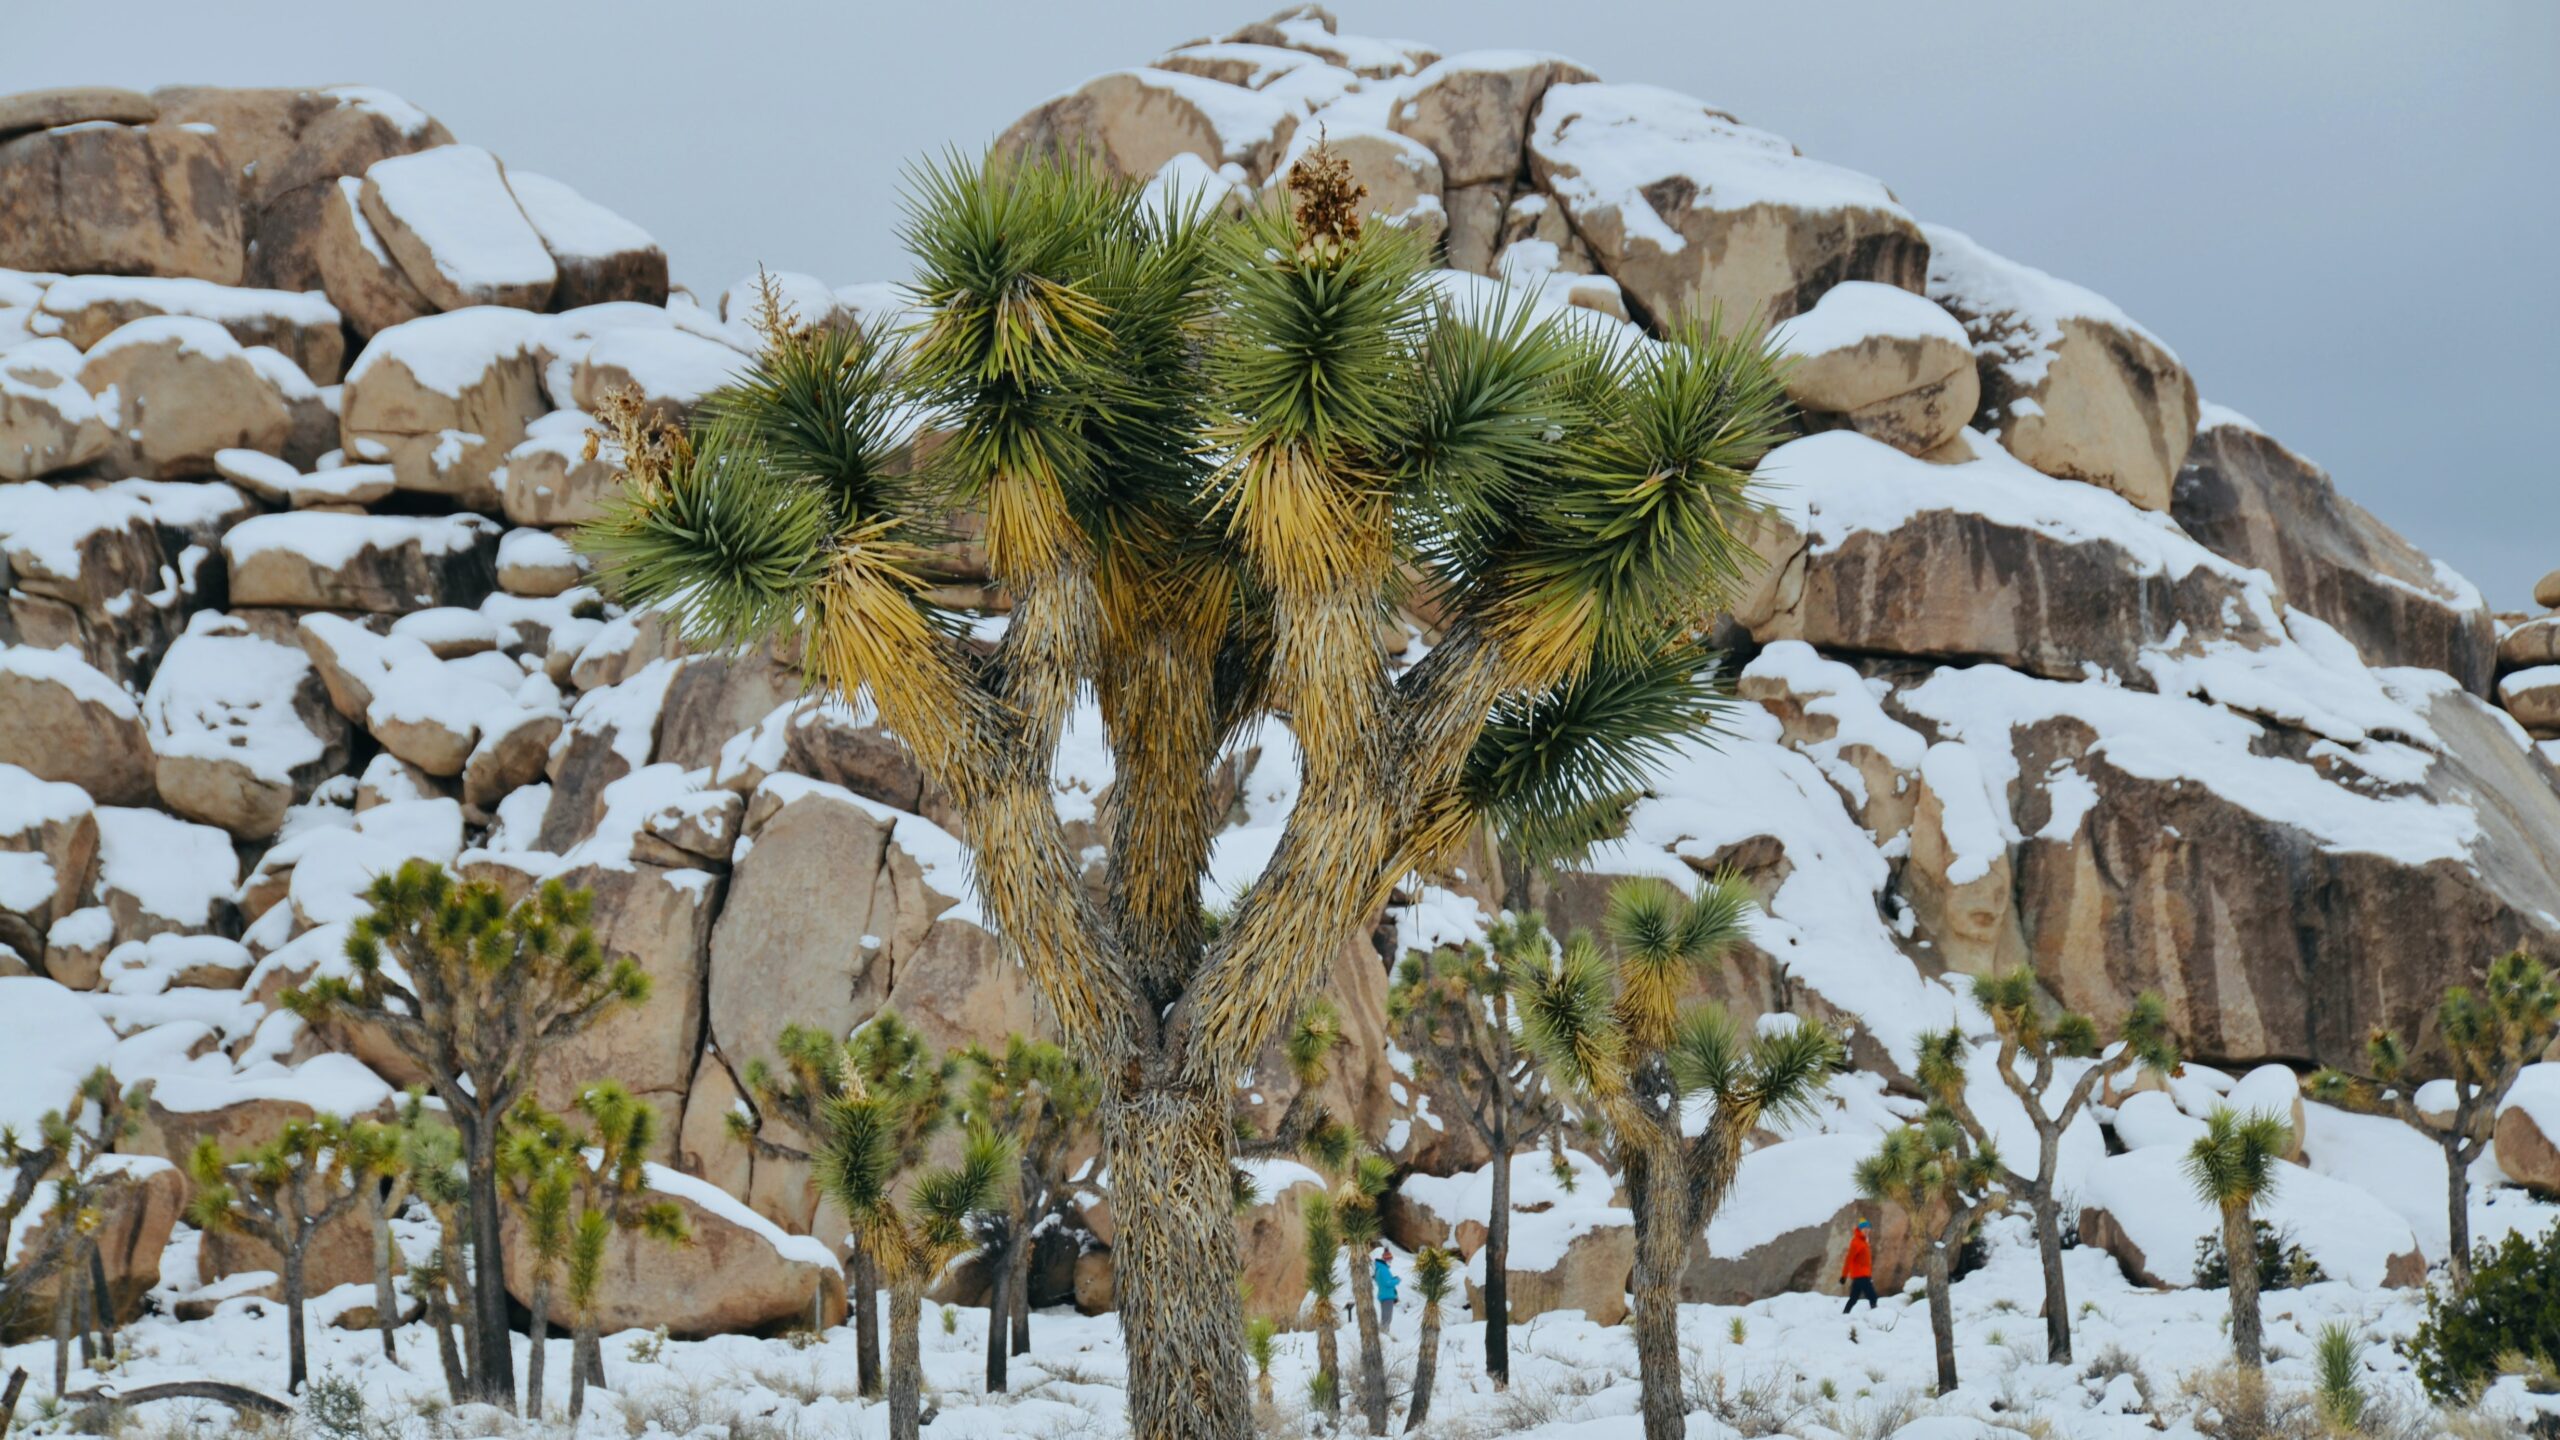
(71, 1164)
(2233, 1165)
(910, 1242)
(1324, 1253)
(887, 1060)
(431, 1162)
(1307, 1051)
(1431, 1270)
(1613, 1032)
(1360, 1183)
(1035, 1094)
(1207, 451)
(282, 1193)
(1945, 1175)
(2489, 1038)
(1452, 1013)
(375, 1157)
(474, 993)
(609, 1185)
(535, 1157)
(2025, 1029)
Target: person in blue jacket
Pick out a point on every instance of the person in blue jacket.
(1386, 1289)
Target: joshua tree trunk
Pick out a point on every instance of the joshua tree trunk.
(586, 1364)
(1497, 1270)
(465, 1311)
(1660, 1250)
(9, 1399)
(2057, 1302)
(1426, 1367)
(1942, 1315)
(63, 1305)
(535, 1363)
(1020, 1294)
(297, 1359)
(1328, 1359)
(102, 1301)
(1373, 1365)
(2240, 1256)
(493, 1376)
(1177, 1264)
(440, 1315)
(386, 1301)
(1000, 1314)
(865, 1282)
(906, 1360)
(2457, 1215)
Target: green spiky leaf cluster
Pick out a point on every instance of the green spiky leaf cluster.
(2234, 1162)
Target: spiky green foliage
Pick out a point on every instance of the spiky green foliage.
(473, 991)
(282, 1194)
(2234, 1161)
(1037, 1095)
(1208, 450)
(2339, 1365)
(2488, 1036)
(1941, 1175)
(1617, 1030)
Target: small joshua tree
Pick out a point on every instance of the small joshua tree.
(889, 1062)
(858, 1166)
(1261, 1346)
(609, 1190)
(535, 1158)
(1945, 1177)
(376, 1154)
(1452, 1013)
(2233, 1165)
(1431, 1272)
(70, 1165)
(282, 1193)
(1613, 1031)
(1324, 1254)
(1360, 1183)
(474, 991)
(1036, 1095)
(2489, 1036)
(2027, 1032)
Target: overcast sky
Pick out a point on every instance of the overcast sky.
(2341, 214)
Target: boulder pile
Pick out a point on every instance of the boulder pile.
(2052, 662)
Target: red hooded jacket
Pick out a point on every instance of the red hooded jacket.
(1860, 1263)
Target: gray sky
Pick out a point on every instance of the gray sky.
(2339, 213)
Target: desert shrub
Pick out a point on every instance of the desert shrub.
(2282, 1264)
(2511, 1312)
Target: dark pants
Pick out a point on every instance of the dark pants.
(1862, 1288)
(1386, 1312)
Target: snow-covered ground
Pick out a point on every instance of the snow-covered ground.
(1788, 1366)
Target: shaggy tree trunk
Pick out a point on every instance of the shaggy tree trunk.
(1176, 1264)
(386, 1301)
(440, 1315)
(586, 1365)
(2240, 1257)
(1942, 1316)
(865, 1283)
(2457, 1215)
(103, 1300)
(1661, 1251)
(297, 1357)
(906, 1360)
(1021, 1295)
(536, 1360)
(493, 1378)
(457, 1281)
(1000, 1315)
(1373, 1365)
(1426, 1367)
(1328, 1360)
(2057, 1302)
(1497, 1272)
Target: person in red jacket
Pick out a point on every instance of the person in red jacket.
(1858, 1267)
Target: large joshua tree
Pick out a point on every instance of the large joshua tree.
(2489, 1036)
(1209, 453)
(1614, 1031)
(2028, 1032)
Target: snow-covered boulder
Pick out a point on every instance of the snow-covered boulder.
(538, 564)
(142, 1201)
(159, 875)
(2531, 643)
(303, 326)
(1884, 362)
(1472, 109)
(433, 713)
(555, 476)
(1689, 209)
(600, 255)
(2250, 500)
(461, 238)
(383, 564)
(240, 727)
(1310, 29)
(1785, 1226)
(2070, 384)
(2527, 1137)
(356, 269)
(2141, 1208)
(108, 199)
(742, 1274)
(180, 388)
(2533, 697)
(1576, 1257)
(444, 398)
(62, 720)
(671, 370)
(48, 421)
(48, 856)
(1134, 121)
